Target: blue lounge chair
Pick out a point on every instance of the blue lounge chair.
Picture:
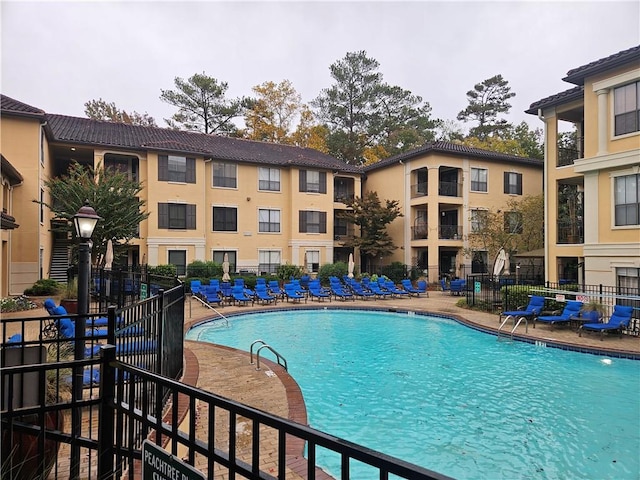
(408, 286)
(262, 294)
(317, 291)
(195, 286)
(211, 294)
(274, 288)
(445, 287)
(423, 287)
(339, 292)
(240, 296)
(391, 287)
(225, 292)
(375, 288)
(535, 306)
(359, 291)
(458, 287)
(292, 292)
(619, 320)
(572, 309)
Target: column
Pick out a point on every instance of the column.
(602, 121)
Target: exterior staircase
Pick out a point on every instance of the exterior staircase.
(59, 261)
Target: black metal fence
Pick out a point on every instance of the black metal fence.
(48, 431)
(52, 401)
(496, 294)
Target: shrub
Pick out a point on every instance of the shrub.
(286, 271)
(43, 287)
(396, 271)
(338, 269)
(16, 304)
(200, 269)
(163, 270)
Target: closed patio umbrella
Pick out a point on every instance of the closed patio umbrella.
(225, 268)
(351, 265)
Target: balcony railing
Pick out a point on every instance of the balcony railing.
(418, 190)
(450, 232)
(570, 233)
(450, 189)
(566, 156)
(419, 232)
(342, 195)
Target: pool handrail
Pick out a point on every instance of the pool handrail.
(280, 359)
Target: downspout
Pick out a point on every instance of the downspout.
(41, 159)
(205, 210)
(545, 193)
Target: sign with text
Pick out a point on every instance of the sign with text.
(477, 287)
(158, 464)
(143, 291)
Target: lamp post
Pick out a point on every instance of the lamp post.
(85, 221)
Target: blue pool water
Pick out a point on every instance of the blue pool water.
(441, 395)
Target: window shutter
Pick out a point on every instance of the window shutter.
(163, 168)
(302, 219)
(506, 182)
(303, 180)
(191, 217)
(323, 182)
(163, 215)
(191, 170)
(519, 183)
(323, 220)
(233, 218)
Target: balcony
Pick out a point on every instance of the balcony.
(568, 154)
(450, 232)
(450, 189)
(570, 233)
(418, 190)
(420, 232)
(342, 196)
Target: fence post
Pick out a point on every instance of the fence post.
(160, 339)
(107, 411)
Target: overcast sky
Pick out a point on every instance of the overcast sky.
(58, 55)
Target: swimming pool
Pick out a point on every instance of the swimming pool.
(454, 400)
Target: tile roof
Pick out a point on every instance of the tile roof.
(570, 95)
(453, 149)
(85, 131)
(577, 75)
(9, 106)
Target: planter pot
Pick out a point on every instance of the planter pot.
(71, 306)
(21, 449)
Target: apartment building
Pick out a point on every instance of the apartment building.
(442, 189)
(592, 198)
(262, 204)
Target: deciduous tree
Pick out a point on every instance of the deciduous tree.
(271, 116)
(487, 101)
(111, 193)
(202, 105)
(372, 217)
(102, 110)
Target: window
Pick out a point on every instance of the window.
(269, 179)
(478, 179)
(513, 222)
(479, 262)
(172, 168)
(218, 257)
(225, 219)
(313, 181)
(179, 259)
(626, 108)
(268, 261)
(313, 260)
(225, 175)
(340, 226)
(478, 220)
(628, 280)
(269, 220)
(313, 222)
(627, 201)
(177, 216)
(513, 183)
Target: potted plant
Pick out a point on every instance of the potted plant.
(70, 296)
